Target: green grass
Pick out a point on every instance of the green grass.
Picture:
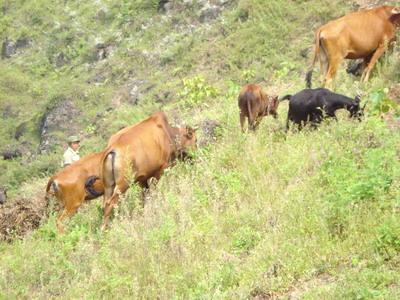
(311, 213)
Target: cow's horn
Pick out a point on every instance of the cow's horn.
(396, 10)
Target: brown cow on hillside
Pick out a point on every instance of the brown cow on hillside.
(364, 34)
(76, 183)
(255, 104)
(144, 150)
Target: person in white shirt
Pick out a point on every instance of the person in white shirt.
(71, 155)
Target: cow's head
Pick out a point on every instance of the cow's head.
(186, 142)
(273, 103)
(395, 15)
(3, 195)
(355, 110)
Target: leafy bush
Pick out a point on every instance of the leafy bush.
(380, 103)
(196, 92)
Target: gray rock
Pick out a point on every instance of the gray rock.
(164, 5)
(11, 154)
(62, 60)
(7, 49)
(209, 13)
(23, 43)
(3, 195)
(101, 15)
(102, 51)
(21, 130)
(8, 112)
(57, 123)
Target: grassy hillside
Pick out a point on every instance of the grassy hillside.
(309, 215)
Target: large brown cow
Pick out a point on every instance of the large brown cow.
(76, 183)
(364, 34)
(143, 150)
(254, 104)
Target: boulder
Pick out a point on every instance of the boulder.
(11, 153)
(62, 60)
(7, 49)
(22, 43)
(209, 13)
(57, 123)
(102, 51)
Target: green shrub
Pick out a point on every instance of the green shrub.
(196, 92)
(387, 242)
(379, 103)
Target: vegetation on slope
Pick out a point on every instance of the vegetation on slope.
(313, 213)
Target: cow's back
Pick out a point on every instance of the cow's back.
(251, 96)
(359, 33)
(145, 146)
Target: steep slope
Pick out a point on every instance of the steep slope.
(310, 215)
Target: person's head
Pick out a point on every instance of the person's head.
(73, 142)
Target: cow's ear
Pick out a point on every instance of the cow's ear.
(396, 10)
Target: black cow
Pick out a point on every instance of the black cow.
(3, 195)
(313, 105)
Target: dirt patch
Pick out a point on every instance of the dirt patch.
(302, 287)
(394, 93)
(21, 216)
(259, 294)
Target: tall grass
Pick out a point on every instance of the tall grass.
(310, 214)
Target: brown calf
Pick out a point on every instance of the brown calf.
(255, 104)
(76, 183)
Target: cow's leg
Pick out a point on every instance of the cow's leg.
(66, 213)
(242, 120)
(335, 57)
(60, 219)
(377, 54)
(334, 64)
(324, 63)
(257, 123)
(120, 188)
(287, 121)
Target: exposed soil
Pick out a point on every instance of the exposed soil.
(20, 216)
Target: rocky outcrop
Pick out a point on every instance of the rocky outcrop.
(7, 49)
(11, 154)
(10, 48)
(209, 12)
(102, 51)
(57, 123)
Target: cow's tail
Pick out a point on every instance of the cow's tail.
(52, 189)
(249, 96)
(316, 55)
(89, 186)
(109, 173)
(287, 97)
